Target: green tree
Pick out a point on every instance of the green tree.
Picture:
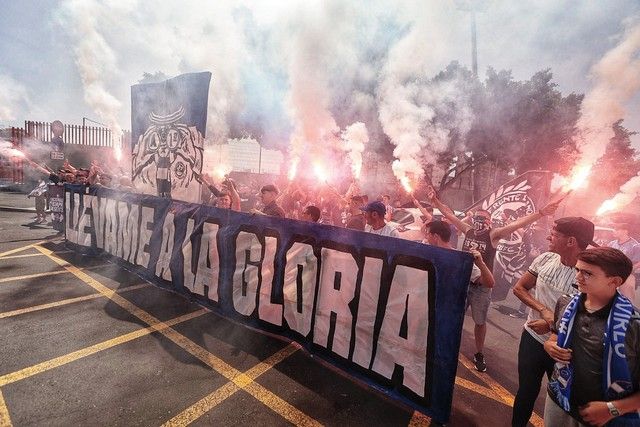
(617, 165)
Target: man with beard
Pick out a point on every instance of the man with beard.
(551, 275)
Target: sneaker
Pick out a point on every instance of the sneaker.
(478, 360)
(518, 314)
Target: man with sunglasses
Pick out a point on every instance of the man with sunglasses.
(550, 276)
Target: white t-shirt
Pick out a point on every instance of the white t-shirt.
(553, 279)
(387, 230)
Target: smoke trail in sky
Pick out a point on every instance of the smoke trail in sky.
(94, 57)
(616, 80)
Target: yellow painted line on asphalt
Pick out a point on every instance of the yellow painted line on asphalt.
(419, 420)
(210, 401)
(283, 408)
(31, 255)
(19, 256)
(502, 392)
(31, 276)
(5, 419)
(280, 406)
(22, 248)
(88, 351)
(49, 273)
(476, 388)
(67, 301)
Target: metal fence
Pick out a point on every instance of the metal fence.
(75, 137)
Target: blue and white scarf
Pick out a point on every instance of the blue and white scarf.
(616, 379)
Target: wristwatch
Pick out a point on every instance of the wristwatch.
(613, 410)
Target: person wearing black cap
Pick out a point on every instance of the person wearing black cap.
(374, 213)
(551, 275)
(268, 196)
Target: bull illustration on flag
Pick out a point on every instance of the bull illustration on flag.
(516, 198)
(168, 131)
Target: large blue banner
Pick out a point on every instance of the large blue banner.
(168, 124)
(387, 310)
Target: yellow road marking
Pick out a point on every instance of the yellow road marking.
(67, 301)
(210, 401)
(30, 255)
(476, 388)
(498, 389)
(104, 345)
(20, 256)
(31, 276)
(20, 249)
(419, 419)
(283, 408)
(5, 419)
(49, 273)
(280, 406)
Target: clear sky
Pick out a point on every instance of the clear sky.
(249, 47)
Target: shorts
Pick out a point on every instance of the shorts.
(479, 298)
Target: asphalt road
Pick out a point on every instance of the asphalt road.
(86, 342)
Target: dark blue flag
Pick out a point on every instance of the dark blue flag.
(168, 125)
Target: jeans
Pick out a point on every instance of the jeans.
(533, 363)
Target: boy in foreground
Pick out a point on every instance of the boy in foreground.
(596, 376)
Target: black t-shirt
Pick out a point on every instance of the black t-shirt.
(588, 350)
(480, 241)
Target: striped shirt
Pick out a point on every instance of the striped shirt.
(553, 279)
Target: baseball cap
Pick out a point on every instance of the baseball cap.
(375, 206)
(269, 187)
(578, 227)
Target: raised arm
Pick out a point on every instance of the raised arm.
(504, 232)
(447, 211)
(233, 193)
(423, 211)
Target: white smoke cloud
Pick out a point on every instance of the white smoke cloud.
(409, 101)
(355, 137)
(13, 96)
(616, 80)
(94, 57)
(301, 71)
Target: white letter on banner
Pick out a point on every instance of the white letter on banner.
(337, 268)
(187, 252)
(146, 229)
(110, 228)
(72, 217)
(302, 265)
(409, 291)
(166, 248)
(130, 235)
(267, 311)
(123, 216)
(208, 262)
(246, 274)
(100, 214)
(367, 309)
(84, 238)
